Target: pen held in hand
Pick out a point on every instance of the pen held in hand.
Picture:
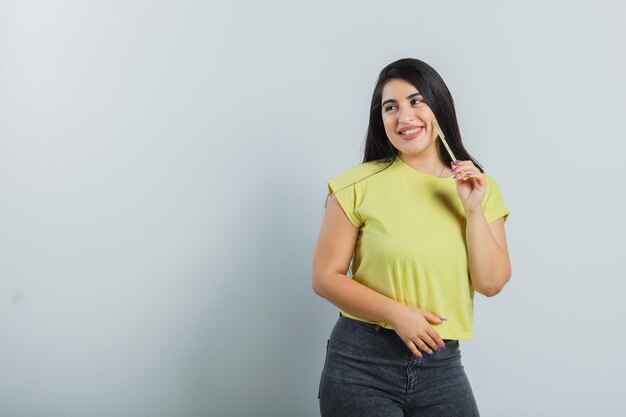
(443, 139)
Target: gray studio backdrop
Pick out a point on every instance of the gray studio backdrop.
(163, 170)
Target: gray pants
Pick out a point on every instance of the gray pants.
(369, 371)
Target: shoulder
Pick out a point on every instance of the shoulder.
(492, 183)
(493, 203)
(356, 174)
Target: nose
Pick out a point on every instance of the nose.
(406, 115)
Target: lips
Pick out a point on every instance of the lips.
(408, 127)
(410, 132)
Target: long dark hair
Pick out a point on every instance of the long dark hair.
(436, 95)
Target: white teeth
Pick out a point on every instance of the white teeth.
(410, 132)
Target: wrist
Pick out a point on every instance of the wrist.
(475, 212)
(392, 311)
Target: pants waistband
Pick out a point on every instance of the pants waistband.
(377, 327)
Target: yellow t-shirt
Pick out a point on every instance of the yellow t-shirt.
(411, 243)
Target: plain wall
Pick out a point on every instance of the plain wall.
(163, 169)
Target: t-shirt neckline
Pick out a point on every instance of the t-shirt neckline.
(401, 163)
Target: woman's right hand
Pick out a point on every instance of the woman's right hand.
(413, 325)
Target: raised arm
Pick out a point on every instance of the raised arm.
(489, 263)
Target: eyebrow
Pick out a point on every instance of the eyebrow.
(391, 100)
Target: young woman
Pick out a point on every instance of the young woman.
(423, 233)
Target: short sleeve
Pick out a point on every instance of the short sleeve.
(346, 195)
(493, 203)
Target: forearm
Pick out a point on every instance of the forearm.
(488, 262)
(355, 298)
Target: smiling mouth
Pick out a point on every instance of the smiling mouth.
(412, 131)
(411, 134)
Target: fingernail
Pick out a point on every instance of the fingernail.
(457, 161)
(455, 170)
(442, 318)
(469, 174)
(455, 177)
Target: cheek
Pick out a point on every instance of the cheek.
(426, 114)
(388, 124)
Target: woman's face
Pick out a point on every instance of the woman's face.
(403, 108)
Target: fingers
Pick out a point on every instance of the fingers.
(426, 343)
(439, 343)
(429, 342)
(464, 170)
(419, 335)
(413, 349)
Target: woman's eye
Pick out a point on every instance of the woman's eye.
(415, 101)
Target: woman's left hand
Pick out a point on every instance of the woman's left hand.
(470, 185)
